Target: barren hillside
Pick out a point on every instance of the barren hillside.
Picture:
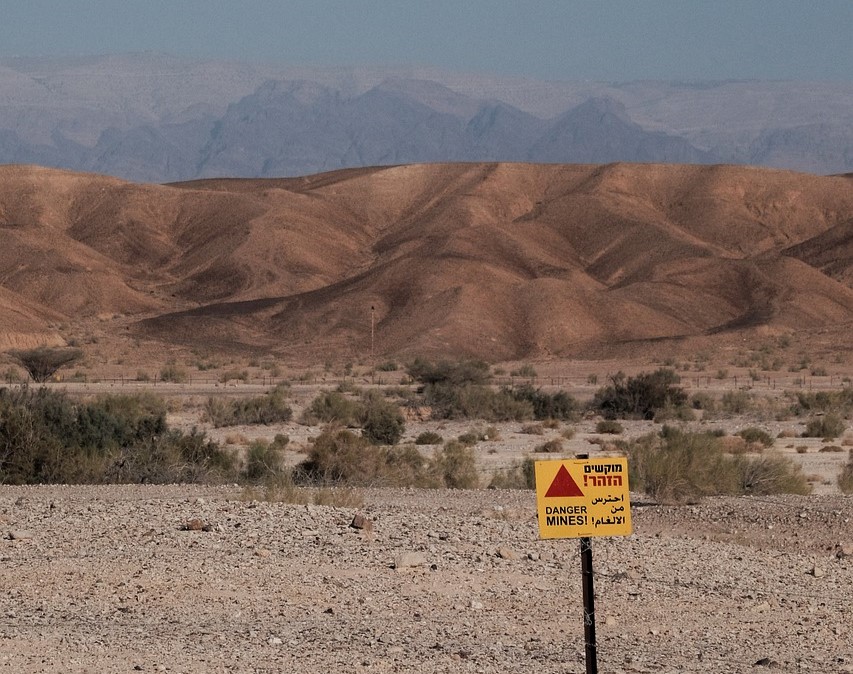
(498, 261)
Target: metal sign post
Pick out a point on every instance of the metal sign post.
(590, 649)
(583, 498)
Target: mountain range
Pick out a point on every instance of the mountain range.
(155, 118)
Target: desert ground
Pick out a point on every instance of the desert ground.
(188, 578)
(108, 579)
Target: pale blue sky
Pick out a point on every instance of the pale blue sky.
(617, 40)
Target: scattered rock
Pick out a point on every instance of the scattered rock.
(195, 524)
(362, 523)
(262, 553)
(20, 535)
(766, 662)
(475, 604)
(817, 572)
(409, 560)
(507, 553)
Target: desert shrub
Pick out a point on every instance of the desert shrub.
(641, 396)
(280, 440)
(568, 433)
(526, 370)
(332, 406)
(837, 402)
(831, 449)
(472, 401)
(828, 426)
(469, 438)
(772, 474)
(388, 366)
(676, 466)
(754, 435)
(265, 410)
(559, 405)
(703, 401)
(43, 362)
(845, 479)
(736, 402)
(47, 438)
(342, 457)
(173, 457)
(445, 372)
(520, 475)
(234, 375)
(532, 429)
(455, 466)
(381, 421)
(173, 373)
(609, 426)
(554, 446)
(429, 438)
(263, 462)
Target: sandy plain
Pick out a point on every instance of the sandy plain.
(108, 579)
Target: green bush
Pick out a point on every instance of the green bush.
(521, 475)
(828, 427)
(456, 467)
(472, 401)
(756, 436)
(676, 467)
(736, 402)
(268, 409)
(445, 372)
(264, 462)
(342, 457)
(332, 407)
(640, 396)
(559, 405)
(47, 438)
(381, 421)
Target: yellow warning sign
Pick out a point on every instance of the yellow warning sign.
(577, 498)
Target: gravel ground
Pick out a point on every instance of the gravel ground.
(109, 579)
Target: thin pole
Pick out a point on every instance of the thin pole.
(372, 329)
(588, 607)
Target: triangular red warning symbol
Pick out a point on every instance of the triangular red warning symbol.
(563, 485)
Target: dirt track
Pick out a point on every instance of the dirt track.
(103, 579)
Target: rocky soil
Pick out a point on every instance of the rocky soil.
(201, 579)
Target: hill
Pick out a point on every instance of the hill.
(497, 261)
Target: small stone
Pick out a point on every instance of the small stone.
(507, 553)
(361, 523)
(766, 662)
(193, 524)
(20, 535)
(409, 560)
(844, 550)
(475, 604)
(262, 553)
(610, 621)
(817, 572)
(533, 556)
(274, 641)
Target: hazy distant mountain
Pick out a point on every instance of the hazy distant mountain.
(157, 118)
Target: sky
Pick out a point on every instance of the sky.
(616, 41)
